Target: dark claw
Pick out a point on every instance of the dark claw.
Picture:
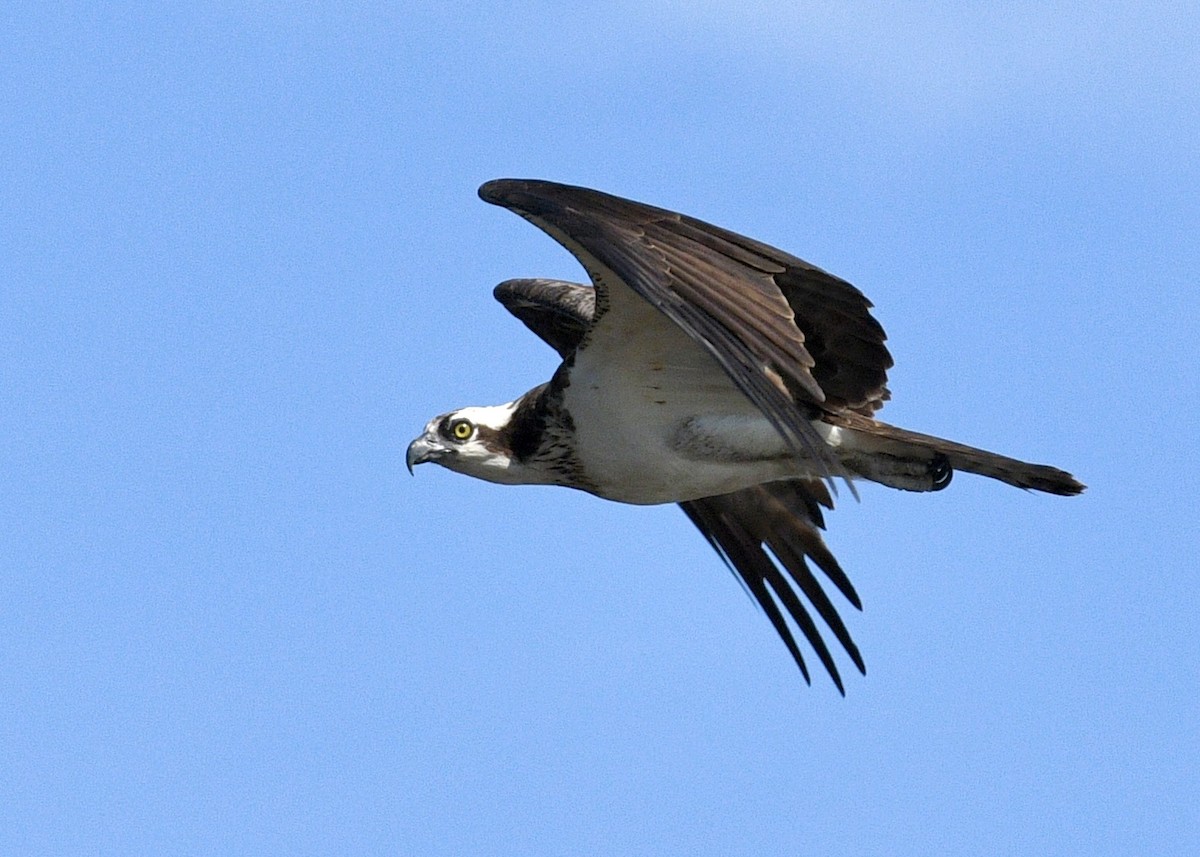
(940, 472)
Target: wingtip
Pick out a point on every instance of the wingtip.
(510, 192)
(533, 196)
(495, 191)
(503, 290)
(837, 682)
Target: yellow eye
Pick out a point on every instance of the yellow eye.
(462, 429)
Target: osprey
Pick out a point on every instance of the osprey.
(706, 369)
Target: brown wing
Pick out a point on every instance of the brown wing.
(793, 338)
(785, 517)
(558, 312)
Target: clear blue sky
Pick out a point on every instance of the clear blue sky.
(242, 263)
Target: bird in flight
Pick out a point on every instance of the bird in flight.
(711, 370)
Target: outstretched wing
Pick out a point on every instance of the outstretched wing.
(782, 516)
(786, 518)
(792, 338)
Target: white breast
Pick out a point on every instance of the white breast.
(658, 421)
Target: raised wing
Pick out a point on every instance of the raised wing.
(558, 312)
(792, 338)
(785, 517)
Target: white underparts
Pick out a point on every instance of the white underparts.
(729, 438)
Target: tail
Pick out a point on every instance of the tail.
(887, 454)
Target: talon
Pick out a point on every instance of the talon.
(940, 472)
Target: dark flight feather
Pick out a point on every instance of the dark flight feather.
(734, 310)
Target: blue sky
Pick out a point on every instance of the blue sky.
(243, 263)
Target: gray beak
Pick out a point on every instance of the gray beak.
(419, 451)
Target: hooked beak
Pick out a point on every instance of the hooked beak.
(420, 451)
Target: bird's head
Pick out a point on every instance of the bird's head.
(473, 441)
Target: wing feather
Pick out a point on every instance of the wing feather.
(730, 308)
(558, 312)
(782, 519)
(764, 315)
